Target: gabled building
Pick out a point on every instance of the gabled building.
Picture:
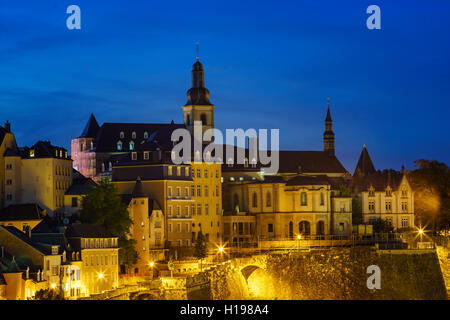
(384, 194)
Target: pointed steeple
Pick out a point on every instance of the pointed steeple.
(328, 118)
(198, 94)
(328, 135)
(365, 165)
(91, 129)
(138, 191)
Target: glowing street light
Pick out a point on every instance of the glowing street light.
(221, 249)
(420, 231)
(53, 286)
(151, 264)
(299, 237)
(100, 275)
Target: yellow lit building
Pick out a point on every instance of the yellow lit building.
(94, 260)
(40, 174)
(383, 195)
(7, 141)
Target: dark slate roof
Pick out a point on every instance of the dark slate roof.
(306, 180)
(3, 133)
(44, 149)
(43, 240)
(80, 184)
(28, 211)
(158, 136)
(22, 236)
(328, 118)
(86, 230)
(309, 162)
(91, 129)
(379, 180)
(138, 190)
(365, 164)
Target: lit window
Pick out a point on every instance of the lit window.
(131, 145)
(31, 153)
(304, 199)
(145, 135)
(146, 155)
(134, 155)
(119, 145)
(122, 135)
(169, 170)
(133, 135)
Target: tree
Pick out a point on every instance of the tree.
(357, 217)
(431, 185)
(382, 226)
(49, 294)
(200, 251)
(103, 205)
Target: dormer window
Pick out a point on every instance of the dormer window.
(145, 135)
(388, 191)
(119, 145)
(131, 145)
(122, 135)
(371, 192)
(32, 153)
(60, 153)
(133, 135)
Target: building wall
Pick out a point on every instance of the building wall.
(209, 222)
(41, 180)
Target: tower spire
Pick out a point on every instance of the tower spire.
(197, 49)
(328, 135)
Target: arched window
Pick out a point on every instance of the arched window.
(103, 167)
(131, 145)
(268, 199)
(304, 198)
(119, 145)
(203, 119)
(322, 199)
(145, 135)
(255, 200)
(304, 228)
(122, 135)
(133, 135)
(110, 166)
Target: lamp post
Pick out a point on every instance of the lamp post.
(151, 265)
(298, 241)
(221, 249)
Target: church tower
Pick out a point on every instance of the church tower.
(328, 135)
(198, 107)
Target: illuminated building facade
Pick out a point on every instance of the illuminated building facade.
(39, 174)
(384, 194)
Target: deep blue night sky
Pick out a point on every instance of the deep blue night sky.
(269, 64)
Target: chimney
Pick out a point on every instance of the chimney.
(7, 126)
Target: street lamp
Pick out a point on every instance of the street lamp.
(151, 264)
(100, 275)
